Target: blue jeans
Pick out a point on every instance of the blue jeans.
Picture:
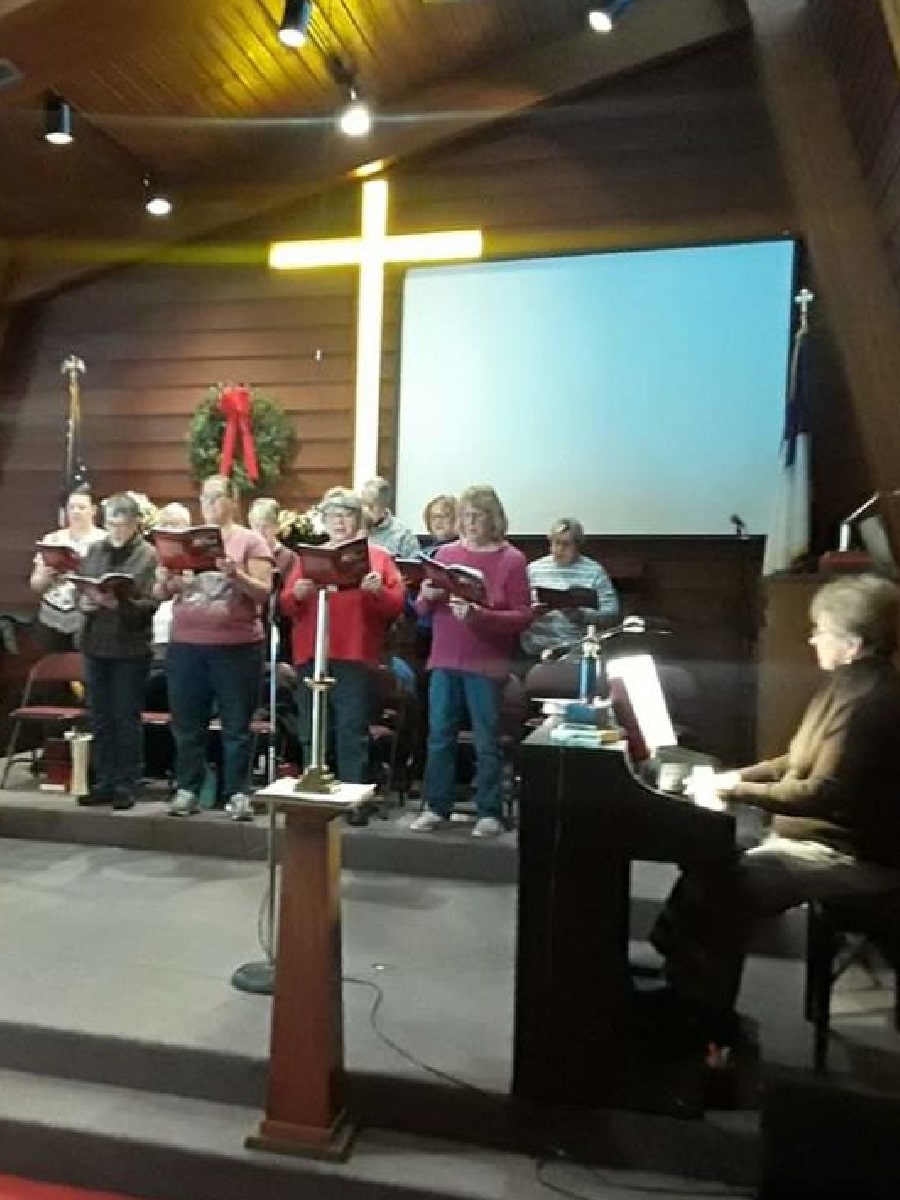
(349, 714)
(199, 675)
(451, 695)
(115, 696)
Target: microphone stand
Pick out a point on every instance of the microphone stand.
(258, 978)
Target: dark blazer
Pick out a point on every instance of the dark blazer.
(122, 632)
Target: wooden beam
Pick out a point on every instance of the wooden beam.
(655, 32)
(839, 223)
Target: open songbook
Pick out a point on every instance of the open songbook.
(344, 566)
(113, 583)
(194, 549)
(456, 580)
(58, 558)
(565, 598)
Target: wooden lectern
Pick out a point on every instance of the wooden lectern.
(304, 1100)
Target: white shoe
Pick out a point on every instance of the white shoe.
(239, 807)
(487, 827)
(184, 804)
(427, 821)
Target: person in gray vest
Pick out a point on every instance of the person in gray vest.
(384, 528)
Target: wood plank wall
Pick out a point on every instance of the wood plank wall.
(678, 155)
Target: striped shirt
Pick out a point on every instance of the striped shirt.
(555, 627)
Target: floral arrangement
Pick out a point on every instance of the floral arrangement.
(254, 440)
(296, 528)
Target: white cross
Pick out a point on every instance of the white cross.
(370, 252)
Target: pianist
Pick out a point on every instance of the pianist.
(835, 804)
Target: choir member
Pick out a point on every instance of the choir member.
(439, 517)
(836, 828)
(59, 618)
(472, 648)
(359, 619)
(215, 654)
(384, 529)
(263, 519)
(563, 568)
(115, 641)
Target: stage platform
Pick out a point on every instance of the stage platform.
(127, 1061)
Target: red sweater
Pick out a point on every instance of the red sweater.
(358, 620)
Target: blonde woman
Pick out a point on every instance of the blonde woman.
(473, 646)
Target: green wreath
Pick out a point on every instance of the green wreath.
(272, 436)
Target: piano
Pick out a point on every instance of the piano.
(581, 1037)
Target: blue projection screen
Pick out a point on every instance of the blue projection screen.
(642, 392)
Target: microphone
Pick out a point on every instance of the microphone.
(740, 526)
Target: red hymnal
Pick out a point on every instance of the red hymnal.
(343, 566)
(194, 549)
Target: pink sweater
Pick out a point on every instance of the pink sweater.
(487, 640)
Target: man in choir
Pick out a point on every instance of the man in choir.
(59, 618)
(833, 796)
(215, 654)
(358, 622)
(384, 528)
(471, 653)
(115, 641)
(563, 568)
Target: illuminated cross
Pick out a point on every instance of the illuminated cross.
(370, 252)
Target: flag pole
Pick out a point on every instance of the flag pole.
(73, 368)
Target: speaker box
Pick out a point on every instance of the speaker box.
(828, 1141)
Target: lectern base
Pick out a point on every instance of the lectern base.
(277, 1137)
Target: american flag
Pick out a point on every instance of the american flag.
(788, 538)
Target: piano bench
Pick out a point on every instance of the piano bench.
(840, 933)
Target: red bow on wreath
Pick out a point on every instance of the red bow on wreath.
(236, 403)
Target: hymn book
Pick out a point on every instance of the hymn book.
(555, 598)
(113, 583)
(195, 549)
(344, 566)
(58, 558)
(467, 583)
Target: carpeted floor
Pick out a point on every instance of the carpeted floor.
(12, 1188)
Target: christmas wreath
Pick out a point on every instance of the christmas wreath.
(237, 432)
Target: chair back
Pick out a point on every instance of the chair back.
(64, 667)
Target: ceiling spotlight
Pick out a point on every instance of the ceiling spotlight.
(356, 117)
(600, 20)
(156, 201)
(57, 120)
(294, 27)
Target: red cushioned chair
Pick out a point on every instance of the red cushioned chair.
(64, 668)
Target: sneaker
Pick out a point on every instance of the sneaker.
(123, 801)
(487, 827)
(184, 804)
(239, 808)
(427, 821)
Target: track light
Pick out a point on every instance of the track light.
(356, 117)
(294, 27)
(600, 19)
(156, 200)
(57, 121)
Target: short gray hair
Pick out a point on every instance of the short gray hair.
(173, 514)
(568, 525)
(379, 487)
(122, 506)
(863, 606)
(265, 508)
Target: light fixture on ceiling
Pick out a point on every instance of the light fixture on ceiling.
(600, 18)
(355, 119)
(156, 199)
(294, 28)
(57, 120)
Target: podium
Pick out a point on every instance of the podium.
(305, 1112)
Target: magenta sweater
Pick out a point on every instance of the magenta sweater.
(486, 642)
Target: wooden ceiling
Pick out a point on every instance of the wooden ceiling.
(202, 95)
